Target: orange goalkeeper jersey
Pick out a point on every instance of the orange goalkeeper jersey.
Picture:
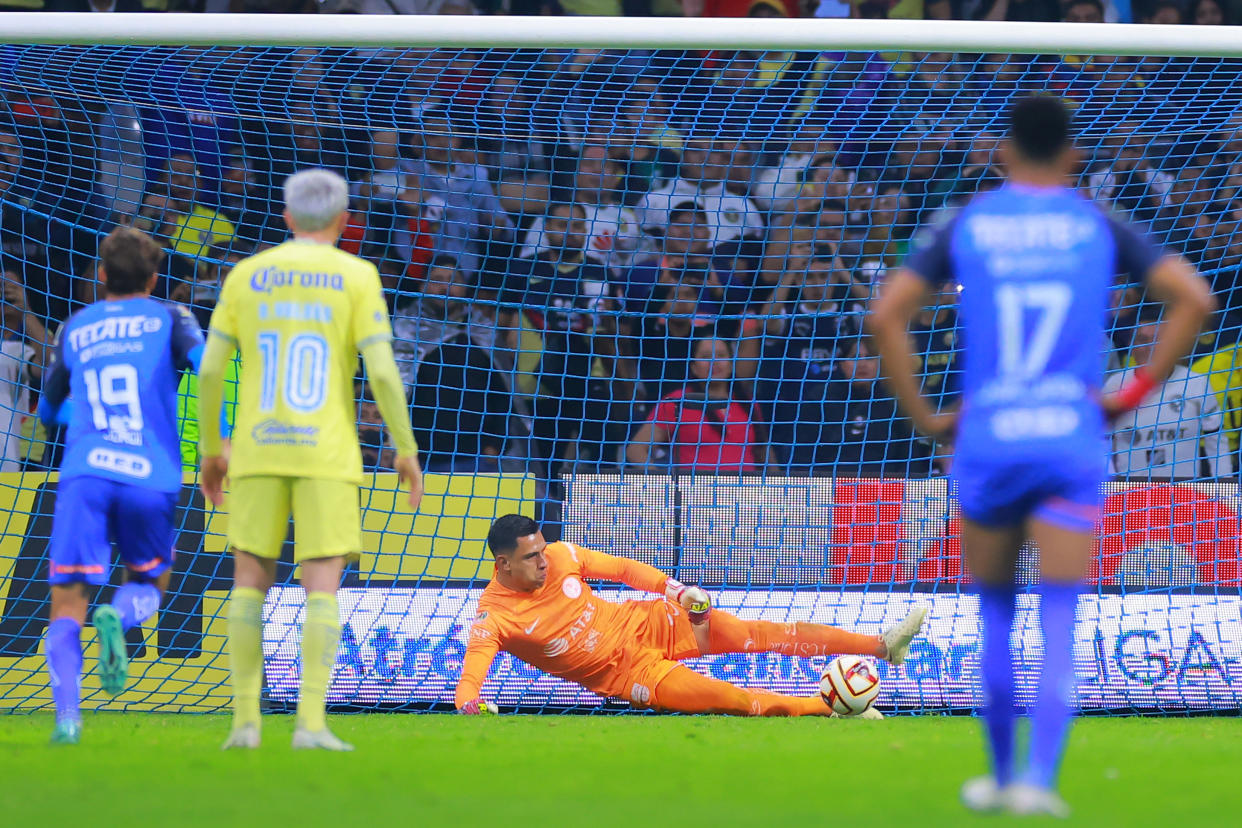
(565, 629)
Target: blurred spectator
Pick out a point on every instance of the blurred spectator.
(706, 427)
(1209, 13)
(176, 213)
(23, 355)
(184, 111)
(710, 174)
(741, 8)
(245, 203)
(203, 291)
(664, 335)
(686, 239)
(1043, 11)
(776, 186)
(612, 230)
(1121, 175)
(792, 353)
(559, 292)
(473, 217)
(514, 146)
(459, 401)
(862, 422)
(1176, 433)
(377, 454)
(1164, 13)
(1083, 11)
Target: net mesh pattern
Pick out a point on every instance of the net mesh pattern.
(626, 289)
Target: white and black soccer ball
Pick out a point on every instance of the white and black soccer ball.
(850, 684)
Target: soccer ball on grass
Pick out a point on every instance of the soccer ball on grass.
(849, 684)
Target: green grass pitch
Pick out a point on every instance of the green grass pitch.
(702, 772)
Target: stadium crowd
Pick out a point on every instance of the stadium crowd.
(602, 260)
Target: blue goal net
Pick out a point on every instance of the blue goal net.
(626, 289)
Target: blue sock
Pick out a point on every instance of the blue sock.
(135, 602)
(64, 666)
(996, 611)
(1050, 720)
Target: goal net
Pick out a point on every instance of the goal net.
(626, 285)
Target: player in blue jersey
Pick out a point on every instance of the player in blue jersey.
(1035, 262)
(120, 360)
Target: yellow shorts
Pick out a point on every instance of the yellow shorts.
(326, 518)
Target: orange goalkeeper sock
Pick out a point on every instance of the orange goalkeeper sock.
(686, 691)
(729, 634)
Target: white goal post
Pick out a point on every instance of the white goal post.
(617, 32)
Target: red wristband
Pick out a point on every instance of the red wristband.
(1132, 394)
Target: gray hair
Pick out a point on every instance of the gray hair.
(315, 198)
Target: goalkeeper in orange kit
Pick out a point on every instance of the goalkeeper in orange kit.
(539, 608)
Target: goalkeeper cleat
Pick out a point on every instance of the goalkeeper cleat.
(304, 739)
(983, 795)
(243, 737)
(67, 732)
(870, 714)
(113, 657)
(897, 638)
(1032, 800)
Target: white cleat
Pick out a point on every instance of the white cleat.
(897, 638)
(982, 795)
(870, 714)
(243, 737)
(304, 739)
(1032, 800)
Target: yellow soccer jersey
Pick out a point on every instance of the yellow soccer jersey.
(1224, 372)
(299, 314)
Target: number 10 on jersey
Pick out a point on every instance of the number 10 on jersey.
(298, 370)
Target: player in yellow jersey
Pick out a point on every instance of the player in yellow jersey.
(299, 314)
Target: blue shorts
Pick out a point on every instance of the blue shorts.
(92, 512)
(1002, 494)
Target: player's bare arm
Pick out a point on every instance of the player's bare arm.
(1188, 303)
(389, 392)
(211, 373)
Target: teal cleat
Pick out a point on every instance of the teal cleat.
(67, 732)
(113, 657)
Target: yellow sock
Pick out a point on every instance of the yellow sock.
(321, 633)
(245, 646)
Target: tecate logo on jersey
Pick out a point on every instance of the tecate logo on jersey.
(113, 327)
(269, 278)
(119, 462)
(274, 432)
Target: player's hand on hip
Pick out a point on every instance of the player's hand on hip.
(941, 426)
(477, 707)
(411, 473)
(211, 478)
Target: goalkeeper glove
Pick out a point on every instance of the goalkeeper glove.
(692, 599)
(477, 707)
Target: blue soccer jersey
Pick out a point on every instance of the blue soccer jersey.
(121, 362)
(1035, 267)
